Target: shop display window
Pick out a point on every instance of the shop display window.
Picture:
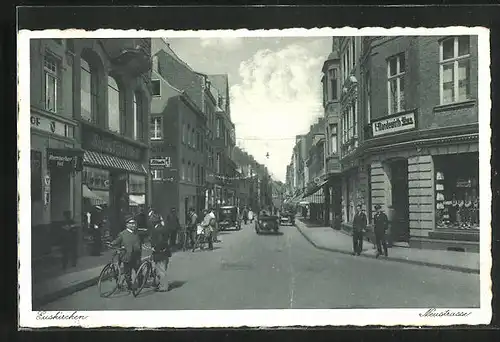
(457, 191)
(96, 178)
(137, 184)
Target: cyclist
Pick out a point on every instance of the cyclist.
(161, 251)
(131, 243)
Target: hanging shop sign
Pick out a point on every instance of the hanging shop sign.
(104, 143)
(51, 126)
(394, 124)
(65, 159)
(161, 162)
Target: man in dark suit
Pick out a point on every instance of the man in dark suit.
(358, 228)
(161, 252)
(130, 241)
(381, 223)
(173, 226)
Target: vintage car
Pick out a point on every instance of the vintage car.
(267, 223)
(229, 218)
(287, 217)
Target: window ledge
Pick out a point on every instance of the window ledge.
(455, 105)
(156, 139)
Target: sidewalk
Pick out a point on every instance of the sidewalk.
(52, 282)
(326, 238)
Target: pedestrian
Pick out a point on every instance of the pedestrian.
(250, 215)
(245, 215)
(207, 224)
(173, 227)
(381, 224)
(131, 256)
(161, 252)
(68, 240)
(214, 225)
(191, 226)
(96, 225)
(358, 228)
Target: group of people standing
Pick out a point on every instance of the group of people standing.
(380, 223)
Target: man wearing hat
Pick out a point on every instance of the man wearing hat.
(131, 243)
(381, 224)
(358, 228)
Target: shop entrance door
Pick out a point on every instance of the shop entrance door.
(400, 229)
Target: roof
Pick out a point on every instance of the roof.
(221, 82)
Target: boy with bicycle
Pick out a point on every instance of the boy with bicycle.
(131, 243)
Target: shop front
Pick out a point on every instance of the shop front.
(456, 189)
(114, 177)
(56, 162)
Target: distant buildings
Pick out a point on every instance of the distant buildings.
(402, 131)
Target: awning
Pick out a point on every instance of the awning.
(317, 197)
(136, 199)
(108, 161)
(87, 193)
(314, 189)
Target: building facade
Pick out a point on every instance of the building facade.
(89, 111)
(178, 134)
(409, 142)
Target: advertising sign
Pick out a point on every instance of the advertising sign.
(395, 124)
(65, 159)
(51, 126)
(160, 162)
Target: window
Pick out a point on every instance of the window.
(368, 92)
(188, 135)
(218, 166)
(218, 128)
(113, 105)
(157, 174)
(156, 129)
(333, 80)
(455, 69)
(136, 116)
(51, 83)
(354, 110)
(193, 139)
(395, 83)
(333, 139)
(183, 170)
(156, 84)
(155, 64)
(88, 92)
(183, 133)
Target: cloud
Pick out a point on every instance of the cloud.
(228, 43)
(279, 97)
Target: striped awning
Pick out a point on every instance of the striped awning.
(317, 197)
(112, 162)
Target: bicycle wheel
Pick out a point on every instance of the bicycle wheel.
(141, 278)
(108, 280)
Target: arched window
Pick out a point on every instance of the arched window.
(113, 105)
(138, 116)
(88, 91)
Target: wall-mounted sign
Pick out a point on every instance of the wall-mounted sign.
(103, 143)
(65, 159)
(395, 124)
(51, 126)
(160, 162)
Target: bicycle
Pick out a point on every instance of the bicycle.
(112, 271)
(146, 273)
(202, 236)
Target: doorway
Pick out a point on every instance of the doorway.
(400, 229)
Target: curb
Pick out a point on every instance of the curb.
(64, 292)
(397, 259)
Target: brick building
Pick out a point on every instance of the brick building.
(179, 129)
(409, 134)
(89, 111)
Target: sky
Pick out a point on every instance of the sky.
(275, 88)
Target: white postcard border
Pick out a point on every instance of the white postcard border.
(253, 318)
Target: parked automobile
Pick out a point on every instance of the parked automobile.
(287, 217)
(228, 218)
(267, 223)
